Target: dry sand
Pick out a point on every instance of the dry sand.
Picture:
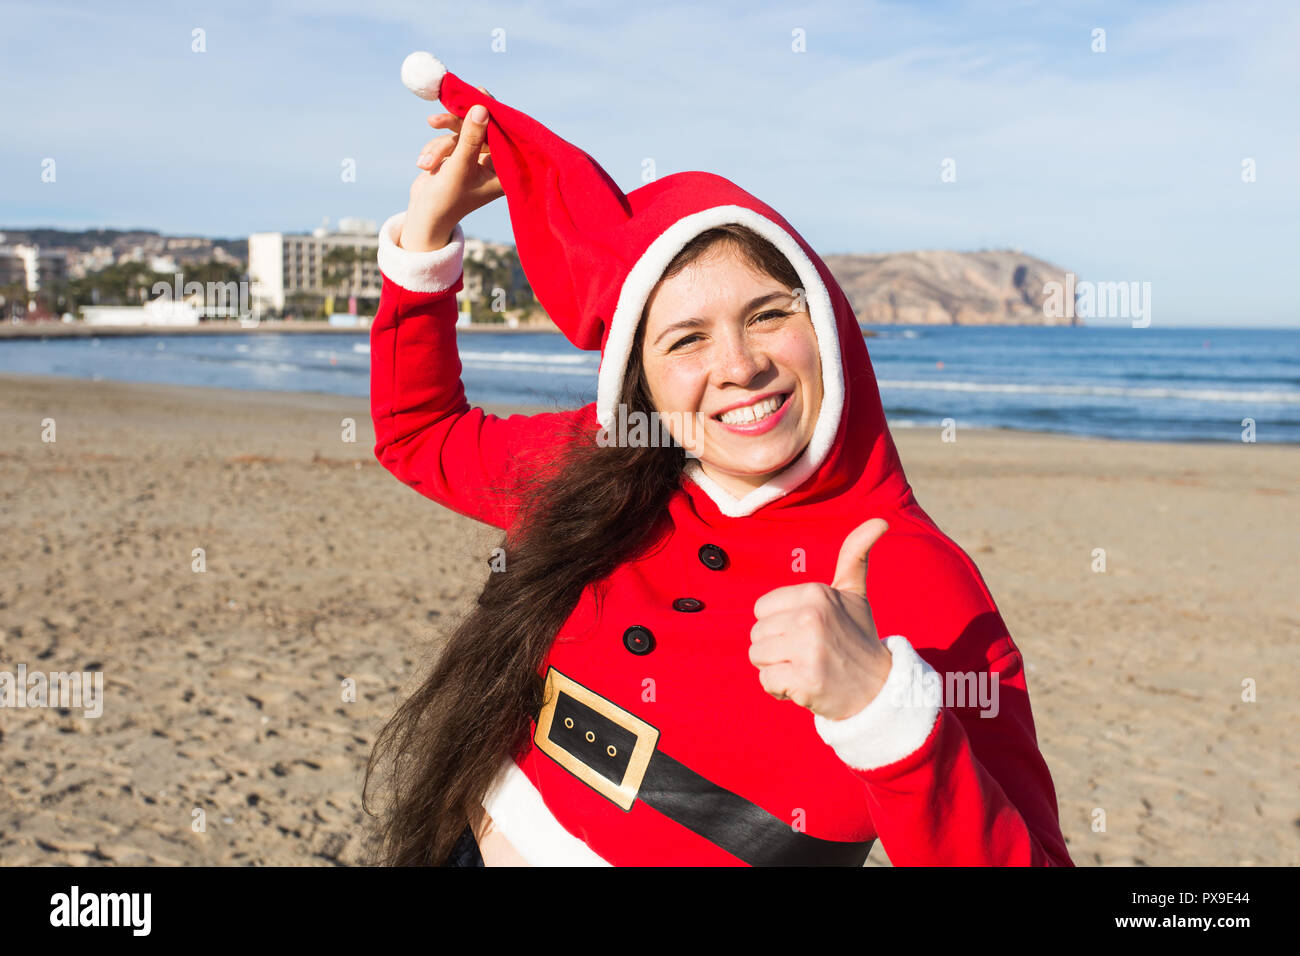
(224, 688)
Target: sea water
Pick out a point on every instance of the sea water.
(1191, 384)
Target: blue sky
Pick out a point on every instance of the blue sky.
(1122, 166)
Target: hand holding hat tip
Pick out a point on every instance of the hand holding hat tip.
(456, 178)
(816, 644)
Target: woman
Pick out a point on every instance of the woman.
(679, 663)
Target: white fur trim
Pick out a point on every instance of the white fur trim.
(422, 74)
(637, 287)
(518, 811)
(434, 271)
(896, 723)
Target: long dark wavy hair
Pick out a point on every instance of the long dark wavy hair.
(591, 511)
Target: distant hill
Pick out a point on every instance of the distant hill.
(947, 288)
(931, 287)
(121, 241)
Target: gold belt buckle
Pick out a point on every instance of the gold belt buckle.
(622, 792)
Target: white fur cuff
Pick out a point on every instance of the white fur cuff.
(895, 724)
(434, 271)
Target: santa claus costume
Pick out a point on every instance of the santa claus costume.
(657, 743)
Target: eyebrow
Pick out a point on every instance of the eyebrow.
(695, 321)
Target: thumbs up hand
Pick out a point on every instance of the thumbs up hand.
(816, 644)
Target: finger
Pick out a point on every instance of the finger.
(445, 121)
(435, 143)
(777, 680)
(454, 123)
(851, 568)
(785, 598)
(435, 150)
(473, 132)
(773, 649)
(789, 623)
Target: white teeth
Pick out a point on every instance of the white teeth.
(751, 413)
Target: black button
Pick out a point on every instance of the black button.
(688, 604)
(714, 558)
(638, 639)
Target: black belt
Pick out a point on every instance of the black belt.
(616, 754)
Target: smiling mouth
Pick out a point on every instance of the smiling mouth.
(756, 412)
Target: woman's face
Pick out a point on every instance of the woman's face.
(730, 354)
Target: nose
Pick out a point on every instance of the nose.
(740, 361)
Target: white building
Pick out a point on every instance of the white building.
(282, 264)
(161, 311)
(27, 264)
(101, 257)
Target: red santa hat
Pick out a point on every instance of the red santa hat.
(593, 255)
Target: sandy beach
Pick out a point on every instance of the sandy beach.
(224, 688)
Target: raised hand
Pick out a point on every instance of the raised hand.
(456, 178)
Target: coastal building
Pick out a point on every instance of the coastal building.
(82, 264)
(13, 270)
(161, 311)
(476, 250)
(287, 267)
(290, 271)
(493, 266)
(29, 266)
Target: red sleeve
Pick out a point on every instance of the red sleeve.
(953, 778)
(426, 433)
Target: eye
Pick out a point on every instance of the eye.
(761, 317)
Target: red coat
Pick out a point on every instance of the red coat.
(937, 783)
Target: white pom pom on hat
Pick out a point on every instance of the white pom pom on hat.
(422, 74)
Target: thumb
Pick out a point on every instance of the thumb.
(472, 133)
(851, 568)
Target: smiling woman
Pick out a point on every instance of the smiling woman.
(679, 663)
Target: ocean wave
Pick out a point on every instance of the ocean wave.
(264, 365)
(535, 358)
(517, 367)
(895, 334)
(1107, 391)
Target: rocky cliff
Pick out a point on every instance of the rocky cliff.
(948, 288)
